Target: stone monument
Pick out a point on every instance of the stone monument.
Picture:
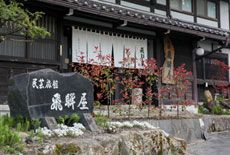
(46, 93)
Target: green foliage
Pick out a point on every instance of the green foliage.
(8, 120)
(60, 120)
(40, 135)
(31, 134)
(69, 121)
(200, 109)
(9, 140)
(220, 98)
(217, 110)
(102, 121)
(19, 127)
(225, 112)
(20, 123)
(21, 19)
(66, 117)
(35, 123)
(74, 118)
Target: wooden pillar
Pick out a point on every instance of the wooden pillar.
(159, 55)
(168, 12)
(60, 42)
(195, 89)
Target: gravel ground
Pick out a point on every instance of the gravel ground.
(217, 144)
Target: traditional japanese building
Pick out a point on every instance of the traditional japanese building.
(140, 25)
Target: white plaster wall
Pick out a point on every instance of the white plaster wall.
(224, 15)
(160, 12)
(182, 16)
(207, 45)
(207, 22)
(163, 2)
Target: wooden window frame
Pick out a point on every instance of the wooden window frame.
(183, 11)
(206, 7)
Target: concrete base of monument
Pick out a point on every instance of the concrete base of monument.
(4, 109)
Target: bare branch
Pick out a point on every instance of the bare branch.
(19, 40)
(11, 32)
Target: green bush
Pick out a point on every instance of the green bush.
(35, 123)
(60, 120)
(225, 112)
(200, 109)
(217, 110)
(69, 121)
(101, 120)
(21, 123)
(9, 139)
(74, 118)
(31, 134)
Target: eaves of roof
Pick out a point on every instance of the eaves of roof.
(132, 15)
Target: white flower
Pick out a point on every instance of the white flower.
(63, 130)
(116, 124)
(137, 124)
(127, 124)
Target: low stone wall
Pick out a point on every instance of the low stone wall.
(193, 129)
(188, 129)
(217, 123)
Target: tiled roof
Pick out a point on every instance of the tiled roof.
(141, 17)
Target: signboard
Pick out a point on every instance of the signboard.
(167, 75)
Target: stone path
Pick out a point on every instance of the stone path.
(218, 144)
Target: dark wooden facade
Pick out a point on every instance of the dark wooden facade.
(55, 52)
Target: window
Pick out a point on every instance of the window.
(183, 5)
(208, 63)
(140, 5)
(111, 1)
(206, 8)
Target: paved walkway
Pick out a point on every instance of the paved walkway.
(218, 144)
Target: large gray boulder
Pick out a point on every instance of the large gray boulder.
(46, 93)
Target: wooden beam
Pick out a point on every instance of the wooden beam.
(214, 51)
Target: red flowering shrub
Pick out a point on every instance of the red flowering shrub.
(104, 76)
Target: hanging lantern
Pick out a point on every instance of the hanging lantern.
(200, 51)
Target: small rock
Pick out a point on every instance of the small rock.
(111, 129)
(23, 134)
(205, 111)
(29, 140)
